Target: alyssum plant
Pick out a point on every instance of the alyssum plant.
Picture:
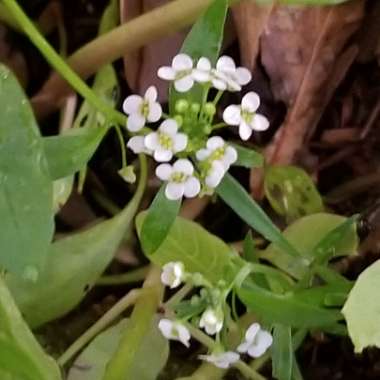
(237, 306)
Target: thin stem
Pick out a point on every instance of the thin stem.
(128, 300)
(59, 64)
(247, 371)
(217, 97)
(122, 146)
(125, 278)
(219, 125)
(178, 296)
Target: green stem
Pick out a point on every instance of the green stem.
(140, 321)
(128, 300)
(125, 278)
(59, 64)
(178, 296)
(122, 146)
(247, 371)
(217, 97)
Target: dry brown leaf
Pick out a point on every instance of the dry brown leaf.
(250, 20)
(299, 51)
(141, 66)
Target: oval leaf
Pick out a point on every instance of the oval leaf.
(27, 222)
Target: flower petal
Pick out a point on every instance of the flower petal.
(219, 84)
(192, 187)
(174, 191)
(259, 123)
(215, 175)
(201, 76)
(243, 76)
(183, 165)
(136, 144)
(215, 142)
(204, 64)
(164, 171)
(169, 127)
(243, 347)
(184, 84)
(264, 341)
(230, 155)
(202, 154)
(166, 73)
(182, 62)
(162, 155)
(232, 115)
(155, 112)
(251, 332)
(151, 94)
(135, 122)
(152, 141)
(245, 131)
(250, 102)
(180, 142)
(226, 64)
(132, 104)
(165, 326)
(183, 335)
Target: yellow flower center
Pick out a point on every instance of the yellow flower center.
(178, 177)
(144, 110)
(165, 141)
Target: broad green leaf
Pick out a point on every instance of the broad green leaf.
(161, 215)
(291, 192)
(27, 222)
(362, 309)
(150, 358)
(248, 158)
(199, 251)
(21, 357)
(74, 265)
(306, 234)
(239, 200)
(68, 153)
(204, 40)
(288, 309)
(282, 352)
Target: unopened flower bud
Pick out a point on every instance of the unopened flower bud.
(209, 109)
(181, 106)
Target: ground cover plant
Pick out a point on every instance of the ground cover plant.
(202, 210)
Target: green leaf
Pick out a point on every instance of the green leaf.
(248, 158)
(69, 153)
(204, 40)
(288, 309)
(74, 265)
(149, 360)
(282, 352)
(161, 215)
(21, 357)
(27, 222)
(239, 200)
(198, 250)
(306, 234)
(291, 192)
(362, 309)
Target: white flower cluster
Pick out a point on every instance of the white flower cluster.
(202, 160)
(256, 341)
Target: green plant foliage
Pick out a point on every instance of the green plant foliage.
(204, 40)
(161, 215)
(362, 310)
(248, 158)
(26, 189)
(291, 192)
(239, 200)
(21, 357)
(69, 153)
(74, 264)
(282, 352)
(199, 251)
(149, 361)
(310, 235)
(291, 309)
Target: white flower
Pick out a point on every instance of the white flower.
(137, 145)
(245, 116)
(142, 109)
(181, 181)
(172, 274)
(257, 341)
(180, 72)
(211, 321)
(215, 174)
(175, 331)
(166, 141)
(202, 73)
(221, 360)
(228, 76)
(217, 150)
